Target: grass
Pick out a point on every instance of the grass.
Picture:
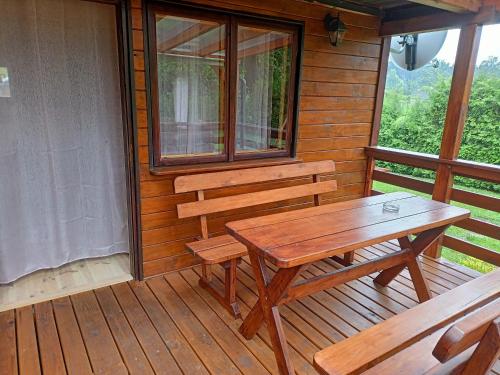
(477, 239)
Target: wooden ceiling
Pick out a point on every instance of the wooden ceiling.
(379, 7)
(408, 16)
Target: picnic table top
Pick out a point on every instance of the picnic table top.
(303, 236)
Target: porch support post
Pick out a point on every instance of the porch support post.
(377, 114)
(456, 115)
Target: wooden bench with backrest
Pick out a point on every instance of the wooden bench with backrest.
(457, 332)
(224, 249)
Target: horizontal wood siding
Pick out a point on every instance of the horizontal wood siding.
(335, 114)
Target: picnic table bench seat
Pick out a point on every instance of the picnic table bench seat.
(456, 333)
(224, 249)
(218, 249)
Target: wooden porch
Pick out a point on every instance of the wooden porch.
(169, 324)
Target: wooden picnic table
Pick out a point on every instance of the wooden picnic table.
(293, 240)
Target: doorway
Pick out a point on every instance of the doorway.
(63, 194)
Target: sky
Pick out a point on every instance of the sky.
(489, 46)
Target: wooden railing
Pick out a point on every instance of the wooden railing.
(479, 171)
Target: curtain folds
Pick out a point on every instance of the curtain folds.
(62, 168)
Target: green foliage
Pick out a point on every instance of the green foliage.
(415, 108)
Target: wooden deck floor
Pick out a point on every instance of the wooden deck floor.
(169, 325)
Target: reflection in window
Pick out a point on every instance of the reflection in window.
(4, 83)
(264, 65)
(219, 95)
(190, 60)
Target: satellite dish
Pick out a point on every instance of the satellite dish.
(413, 51)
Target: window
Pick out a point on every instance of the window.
(222, 86)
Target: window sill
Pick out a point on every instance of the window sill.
(215, 167)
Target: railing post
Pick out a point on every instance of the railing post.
(377, 113)
(456, 115)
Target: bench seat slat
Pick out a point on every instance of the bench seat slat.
(210, 243)
(232, 202)
(223, 253)
(207, 181)
(218, 249)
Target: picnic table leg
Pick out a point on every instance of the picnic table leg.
(419, 281)
(230, 269)
(266, 309)
(418, 245)
(349, 258)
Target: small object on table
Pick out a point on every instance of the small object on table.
(391, 207)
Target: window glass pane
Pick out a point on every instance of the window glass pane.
(264, 65)
(190, 59)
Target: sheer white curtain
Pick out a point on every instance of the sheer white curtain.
(255, 101)
(62, 170)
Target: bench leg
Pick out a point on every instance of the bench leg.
(206, 270)
(228, 299)
(230, 268)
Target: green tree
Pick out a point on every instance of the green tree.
(414, 114)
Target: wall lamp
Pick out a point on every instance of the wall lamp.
(336, 29)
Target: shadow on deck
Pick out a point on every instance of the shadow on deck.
(170, 325)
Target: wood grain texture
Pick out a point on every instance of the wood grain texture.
(250, 199)
(28, 359)
(51, 355)
(289, 241)
(467, 332)
(8, 342)
(411, 326)
(338, 88)
(193, 325)
(206, 181)
(292, 245)
(75, 356)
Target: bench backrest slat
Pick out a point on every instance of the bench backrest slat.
(403, 330)
(205, 207)
(205, 181)
(467, 332)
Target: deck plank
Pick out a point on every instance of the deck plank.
(170, 324)
(51, 355)
(8, 352)
(227, 340)
(302, 365)
(127, 343)
(155, 349)
(101, 348)
(184, 355)
(27, 346)
(296, 339)
(75, 354)
(257, 346)
(213, 357)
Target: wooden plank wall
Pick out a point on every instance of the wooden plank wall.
(336, 110)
